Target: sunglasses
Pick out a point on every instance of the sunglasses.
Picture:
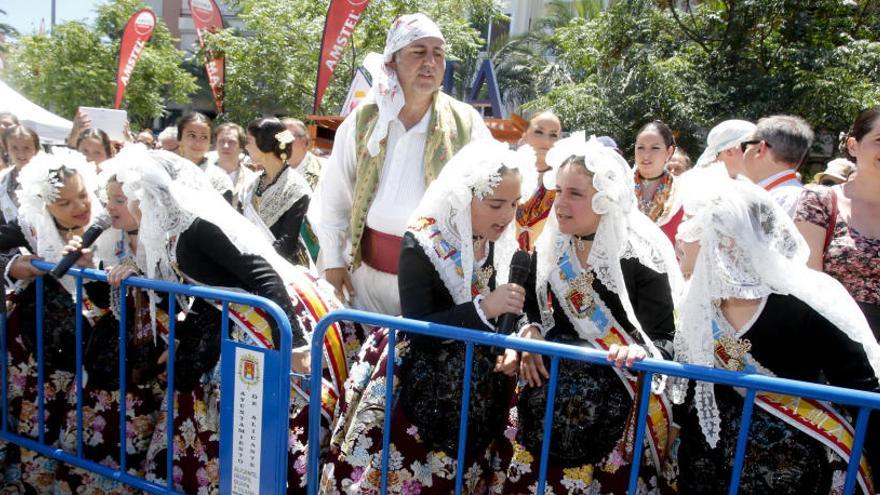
(745, 144)
(828, 182)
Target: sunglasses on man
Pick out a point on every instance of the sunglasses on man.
(745, 144)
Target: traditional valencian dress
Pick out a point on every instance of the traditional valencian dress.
(623, 296)
(532, 213)
(36, 232)
(440, 282)
(144, 390)
(661, 206)
(189, 234)
(278, 210)
(806, 327)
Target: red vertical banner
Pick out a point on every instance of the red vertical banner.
(342, 17)
(137, 32)
(207, 18)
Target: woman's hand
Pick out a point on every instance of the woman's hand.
(81, 122)
(507, 298)
(531, 365)
(22, 269)
(118, 273)
(508, 363)
(86, 259)
(624, 356)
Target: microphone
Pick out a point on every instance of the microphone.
(89, 237)
(519, 274)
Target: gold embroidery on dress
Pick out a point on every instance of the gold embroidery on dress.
(483, 276)
(733, 352)
(580, 293)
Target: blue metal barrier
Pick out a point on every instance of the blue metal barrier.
(272, 474)
(864, 401)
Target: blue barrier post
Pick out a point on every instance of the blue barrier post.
(753, 382)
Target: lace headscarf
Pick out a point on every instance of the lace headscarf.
(173, 192)
(473, 172)
(386, 90)
(623, 231)
(39, 185)
(724, 136)
(749, 248)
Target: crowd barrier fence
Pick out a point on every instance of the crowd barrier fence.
(254, 400)
(256, 388)
(752, 382)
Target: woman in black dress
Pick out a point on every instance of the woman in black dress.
(188, 234)
(56, 203)
(276, 201)
(454, 257)
(602, 277)
(754, 305)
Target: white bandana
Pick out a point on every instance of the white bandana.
(386, 90)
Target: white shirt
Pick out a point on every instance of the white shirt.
(401, 184)
(786, 193)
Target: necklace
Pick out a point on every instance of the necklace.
(262, 185)
(581, 241)
(653, 204)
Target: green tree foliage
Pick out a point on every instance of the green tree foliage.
(76, 66)
(271, 66)
(721, 59)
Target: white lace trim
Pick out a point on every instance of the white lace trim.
(279, 197)
(438, 243)
(749, 248)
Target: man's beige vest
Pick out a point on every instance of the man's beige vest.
(448, 131)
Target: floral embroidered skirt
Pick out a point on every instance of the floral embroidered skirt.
(415, 465)
(26, 468)
(589, 453)
(101, 436)
(779, 458)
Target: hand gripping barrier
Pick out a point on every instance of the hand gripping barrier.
(864, 401)
(265, 469)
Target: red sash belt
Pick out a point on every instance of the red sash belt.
(380, 250)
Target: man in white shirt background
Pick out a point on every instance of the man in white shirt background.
(772, 155)
(384, 155)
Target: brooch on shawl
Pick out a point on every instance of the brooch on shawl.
(731, 352)
(579, 294)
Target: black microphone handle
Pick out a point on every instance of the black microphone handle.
(89, 238)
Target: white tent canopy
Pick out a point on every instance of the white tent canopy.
(51, 128)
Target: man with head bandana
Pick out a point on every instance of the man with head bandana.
(384, 156)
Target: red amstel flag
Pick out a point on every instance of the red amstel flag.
(134, 39)
(207, 18)
(342, 17)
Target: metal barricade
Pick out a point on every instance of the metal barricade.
(864, 401)
(254, 401)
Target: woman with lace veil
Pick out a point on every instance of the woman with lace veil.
(187, 233)
(144, 390)
(276, 201)
(603, 276)
(455, 252)
(754, 305)
(56, 202)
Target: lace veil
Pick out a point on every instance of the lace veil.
(749, 248)
(39, 186)
(623, 231)
(172, 193)
(472, 173)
